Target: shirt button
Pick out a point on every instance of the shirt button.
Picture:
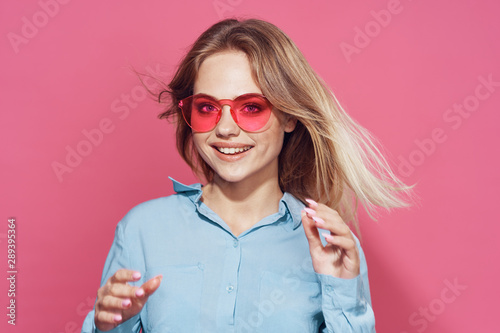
(229, 288)
(235, 243)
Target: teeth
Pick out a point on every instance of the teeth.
(231, 151)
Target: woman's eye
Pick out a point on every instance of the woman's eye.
(207, 108)
(251, 108)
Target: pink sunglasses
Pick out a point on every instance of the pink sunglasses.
(202, 112)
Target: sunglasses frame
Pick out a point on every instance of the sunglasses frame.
(220, 104)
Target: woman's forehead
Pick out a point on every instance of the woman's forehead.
(225, 74)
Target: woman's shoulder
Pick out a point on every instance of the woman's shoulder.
(151, 215)
(167, 206)
(154, 206)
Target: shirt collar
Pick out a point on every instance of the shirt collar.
(288, 203)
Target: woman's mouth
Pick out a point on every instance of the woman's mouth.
(232, 151)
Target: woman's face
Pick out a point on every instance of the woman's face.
(254, 156)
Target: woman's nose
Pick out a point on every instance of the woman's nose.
(226, 125)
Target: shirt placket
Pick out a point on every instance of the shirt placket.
(229, 285)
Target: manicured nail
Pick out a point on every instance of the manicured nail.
(313, 204)
(318, 220)
(136, 275)
(328, 237)
(117, 318)
(139, 292)
(126, 303)
(310, 212)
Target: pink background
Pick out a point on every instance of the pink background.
(67, 73)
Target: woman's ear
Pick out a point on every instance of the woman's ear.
(290, 123)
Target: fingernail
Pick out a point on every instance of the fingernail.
(318, 220)
(117, 318)
(310, 212)
(328, 237)
(139, 292)
(313, 204)
(136, 275)
(126, 303)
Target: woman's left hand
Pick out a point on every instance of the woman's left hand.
(340, 257)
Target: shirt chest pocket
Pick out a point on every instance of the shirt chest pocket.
(291, 304)
(176, 305)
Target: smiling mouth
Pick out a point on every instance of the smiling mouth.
(232, 151)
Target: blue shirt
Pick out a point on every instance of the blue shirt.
(213, 281)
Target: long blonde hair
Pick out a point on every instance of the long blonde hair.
(328, 157)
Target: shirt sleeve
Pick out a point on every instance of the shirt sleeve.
(346, 303)
(118, 258)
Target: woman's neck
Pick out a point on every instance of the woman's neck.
(242, 204)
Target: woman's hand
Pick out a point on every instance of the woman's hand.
(340, 257)
(117, 301)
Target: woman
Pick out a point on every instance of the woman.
(242, 253)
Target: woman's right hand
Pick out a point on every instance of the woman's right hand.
(117, 301)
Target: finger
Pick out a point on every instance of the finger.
(311, 231)
(106, 317)
(345, 243)
(123, 290)
(338, 228)
(115, 303)
(149, 287)
(329, 219)
(125, 275)
(312, 204)
(312, 214)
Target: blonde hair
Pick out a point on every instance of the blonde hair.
(328, 157)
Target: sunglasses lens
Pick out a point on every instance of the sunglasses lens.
(252, 112)
(202, 112)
